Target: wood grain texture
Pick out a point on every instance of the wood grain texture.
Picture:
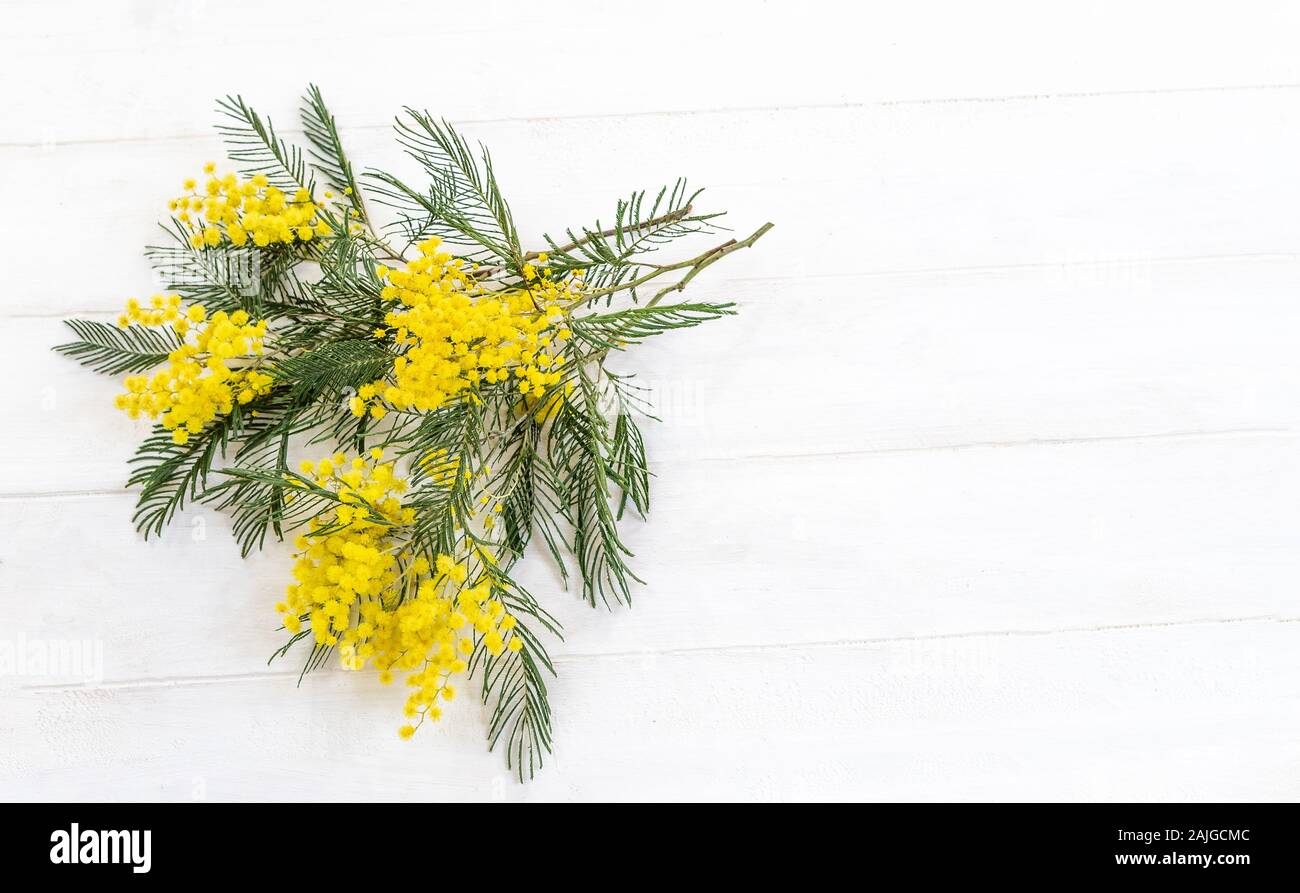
(1168, 714)
(114, 61)
(904, 544)
(1025, 330)
(881, 189)
(991, 357)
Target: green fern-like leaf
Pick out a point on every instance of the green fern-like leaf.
(222, 277)
(113, 350)
(514, 683)
(580, 446)
(623, 327)
(253, 143)
(333, 369)
(169, 474)
(610, 256)
(466, 206)
(327, 153)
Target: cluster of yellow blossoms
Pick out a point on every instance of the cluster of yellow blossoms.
(457, 335)
(361, 590)
(239, 211)
(162, 310)
(344, 556)
(198, 382)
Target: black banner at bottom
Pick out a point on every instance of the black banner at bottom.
(342, 842)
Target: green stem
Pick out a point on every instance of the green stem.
(693, 266)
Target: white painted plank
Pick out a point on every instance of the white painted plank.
(1202, 712)
(886, 189)
(846, 363)
(756, 552)
(122, 70)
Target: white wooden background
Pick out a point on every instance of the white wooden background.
(992, 490)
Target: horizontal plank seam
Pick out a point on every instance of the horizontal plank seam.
(998, 444)
(851, 644)
(902, 272)
(777, 457)
(728, 110)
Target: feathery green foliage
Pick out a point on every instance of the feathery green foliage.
(552, 449)
(114, 350)
(253, 143)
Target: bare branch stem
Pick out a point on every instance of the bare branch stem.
(693, 266)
